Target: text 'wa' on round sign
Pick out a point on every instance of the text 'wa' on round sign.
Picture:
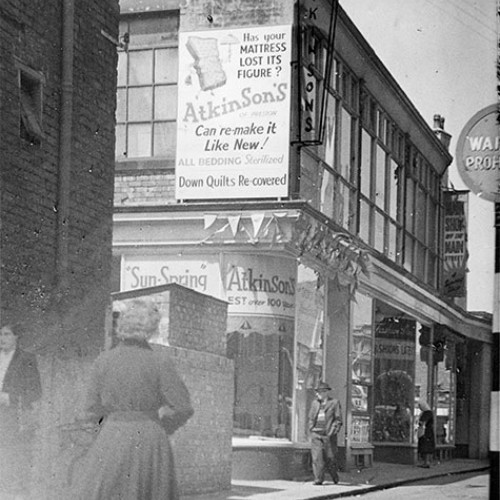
(478, 154)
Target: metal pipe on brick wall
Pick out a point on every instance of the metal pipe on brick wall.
(65, 142)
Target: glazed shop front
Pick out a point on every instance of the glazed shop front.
(297, 316)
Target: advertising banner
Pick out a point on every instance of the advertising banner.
(455, 244)
(200, 273)
(253, 285)
(263, 286)
(233, 118)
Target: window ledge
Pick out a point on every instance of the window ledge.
(145, 165)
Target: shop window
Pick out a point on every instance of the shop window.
(394, 376)
(262, 351)
(361, 369)
(310, 305)
(30, 100)
(445, 390)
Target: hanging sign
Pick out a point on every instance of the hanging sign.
(478, 154)
(455, 244)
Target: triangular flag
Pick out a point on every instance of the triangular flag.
(234, 221)
(209, 219)
(257, 220)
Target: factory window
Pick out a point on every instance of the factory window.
(30, 105)
(399, 196)
(380, 222)
(421, 253)
(147, 89)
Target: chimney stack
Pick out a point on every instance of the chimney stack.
(443, 136)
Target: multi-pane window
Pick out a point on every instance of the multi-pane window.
(373, 181)
(339, 177)
(367, 176)
(147, 94)
(380, 178)
(421, 223)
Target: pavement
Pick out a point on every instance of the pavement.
(352, 483)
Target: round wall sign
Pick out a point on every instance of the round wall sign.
(478, 154)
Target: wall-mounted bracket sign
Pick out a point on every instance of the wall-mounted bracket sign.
(478, 154)
(316, 35)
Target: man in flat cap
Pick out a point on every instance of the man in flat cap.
(325, 421)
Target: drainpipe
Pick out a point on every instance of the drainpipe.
(65, 143)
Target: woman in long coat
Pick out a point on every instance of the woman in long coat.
(20, 388)
(426, 440)
(140, 400)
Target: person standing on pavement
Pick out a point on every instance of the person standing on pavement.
(20, 388)
(138, 399)
(426, 439)
(325, 422)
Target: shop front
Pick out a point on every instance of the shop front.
(305, 305)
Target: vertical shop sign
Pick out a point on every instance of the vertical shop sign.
(233, 116)
(315, 49)
(455, 243)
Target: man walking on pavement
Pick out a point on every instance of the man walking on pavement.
(325, 421)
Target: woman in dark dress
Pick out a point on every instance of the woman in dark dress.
(137, 395)
(426, 440)
(19, 389)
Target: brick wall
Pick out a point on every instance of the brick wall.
(31, 291)
(202, 448)
(202, 14)
(190, 319)
(145, 189)
(61, 308)
(193, 334)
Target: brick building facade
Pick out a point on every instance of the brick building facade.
(328, 246)
(57, 108)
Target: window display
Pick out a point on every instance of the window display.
(361, 368)
(309, 336)
(394, 379)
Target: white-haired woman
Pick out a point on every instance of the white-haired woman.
(137, 395)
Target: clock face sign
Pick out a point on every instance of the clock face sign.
(478, 154)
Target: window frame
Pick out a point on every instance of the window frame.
(154, 43)
(30, 92)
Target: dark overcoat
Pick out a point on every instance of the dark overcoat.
(427, 442)
(131, 458)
